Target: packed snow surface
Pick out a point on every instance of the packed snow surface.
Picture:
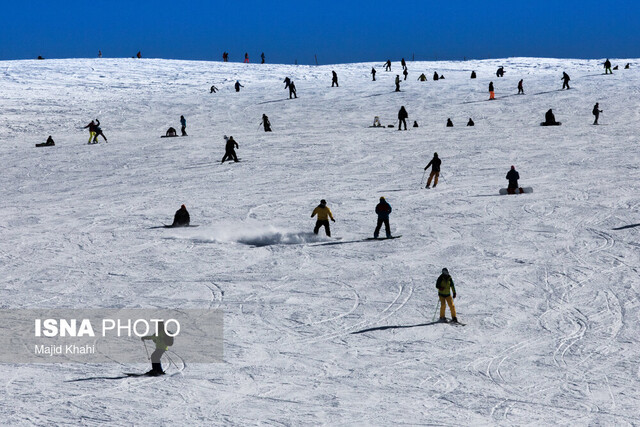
(548, 283)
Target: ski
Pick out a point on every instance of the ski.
(383, 238)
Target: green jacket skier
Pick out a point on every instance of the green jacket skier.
(446, 289)
(162, 342)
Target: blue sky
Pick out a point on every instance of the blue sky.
(348, 31)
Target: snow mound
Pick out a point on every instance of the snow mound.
(254, 234)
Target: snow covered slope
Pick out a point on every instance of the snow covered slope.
(548, 288)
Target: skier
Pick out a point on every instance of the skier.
(171, 132)
(246, 58)
(596, 112)
(402, 118)
(287, 82)
(213, 89)
(449, 123)
(262, 57)
(435, 170)
(266, 123)
(238, 86)
(230, 152)
(324, 213)
(550, 119)
(513, 176)
(403, 63)
(387, 65)
(225, 56)
(162, 342)
(292, 89)
(626, 67)
(473, 74)
(334, 79)
(373, 74)
(446, 289)
(183, 123)
(607, 67)
(181, 218)
(422, 78)
(139, 55)
(405, 73)
(383, 209)
(500, 72)
(92, 131)
(565, 80)
(470, 122)
(99, 54)
(520, 88)
(492, 94)
(397, 83)
(435, 75)
(99, 132)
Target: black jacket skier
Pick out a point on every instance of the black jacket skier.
(183, 124)
(596, 112)
(550, 119)
(513, 176)
(565, 80)
(383, 209)
(520, 87)
(435, 170)
(287, 82)
(435, 75)
(266, 123)
(473, 74)
(403, 63)
(405, 73)
(181, 218)
(334, 79)
(230, 152)
(238, 86)
(387, 65)
(292, 90)
(402, 118)
(449, 123)
(470, 122)
(500, 72)
(397, 83)
(607, 67)
(373, 74)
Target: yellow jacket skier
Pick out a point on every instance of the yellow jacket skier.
(324, 213)
(446, 289)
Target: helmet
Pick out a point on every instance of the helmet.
(323, 202)
(445, 271)
(382, 199)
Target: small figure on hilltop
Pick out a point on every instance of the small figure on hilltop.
(403, 63)
(473, 74)
(387, 65)
(246, 58)
(397, 83)
(99, 54)
(262, 57)
(596, 112)
(446, 289)
(449, 123)
(181, 218)
(324, 213)
(565, 80)
(139, 55)
(470, 122)
(422, 78)
(266, 123)
(225, 56)
(492, 94)
(435, 75)
(229, 149)
(402, 118)
(435, 170)
(238, 86)
(214, 89)
(334, 79)
(550, 119)
(513, 176)
(607, 67)
(183, 124)
(383, 209)
(373, 74)
(520, 87)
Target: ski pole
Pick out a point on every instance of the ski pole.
(146, 349)
(442, 176)
(171, 360)
(436, 311)
(422, 180)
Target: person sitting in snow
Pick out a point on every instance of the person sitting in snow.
(513, 176)
(171, 132)
(181, 218)
(550, 119)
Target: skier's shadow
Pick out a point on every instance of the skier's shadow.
(549, 91)
(627, 226)
(269, 102)
(97, 378)
(384, 328)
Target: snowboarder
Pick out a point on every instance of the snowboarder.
(162, 342)
(397, 83)
(238, 86)
(373, 74)
(334, 79)
(435, 170)
(550, 119)
(225, 56)
(287, 82)
(415, 123)
(403, 63)
(500, 72)
(626, 67)
(213, 89)
(376, 122)
(513, 176)
(230, 152)
(405, 72)
(607, 67)
(441, 76)
(387, 65)
(266, 123)
(383, 209)
(246, 58)
(446, 290)
(565, 80)
(262, 57)
(171, 132)
(473, 74)
(324, 213)
(181, 218)
(49, 143)
(470, 122)
(99, 132)
(92, 131)
(402, 118)
(520, 88)
(492, 94)
(422, 78)
(449, 123)
(435, 75)
(292, 89)
(596, 112)
(183, 124)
